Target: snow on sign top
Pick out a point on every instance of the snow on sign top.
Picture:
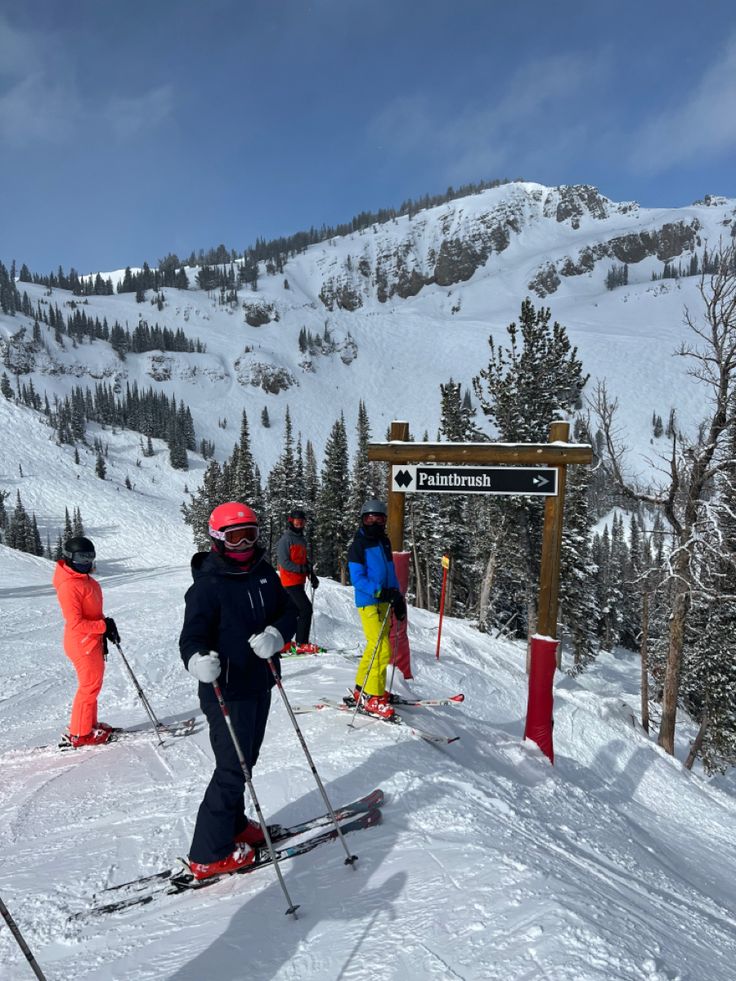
(524, 481)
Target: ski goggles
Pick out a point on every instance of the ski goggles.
(83, 558)
(239, 536)
(374, 519)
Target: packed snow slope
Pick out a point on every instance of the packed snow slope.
(613, 864)
(395, 310)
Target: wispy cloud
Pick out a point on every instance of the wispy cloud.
(36, 110)
(129, 116)
(40, 100)
(18, 53)
(494, 134)
(703, 125)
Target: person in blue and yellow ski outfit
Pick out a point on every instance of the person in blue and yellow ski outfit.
(372, 574)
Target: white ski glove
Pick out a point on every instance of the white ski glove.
(205, 667)
(267, 644)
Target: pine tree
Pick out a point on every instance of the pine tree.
(100, 467)
(525, 387)
(244, 484)
(34, 538)
(20, 534)
(709, 667)
(453, 532)
(332, 505)
(578, 611)
(281, 494)
(177, 447)
(203, 502)
(311, 495)
(362, 480)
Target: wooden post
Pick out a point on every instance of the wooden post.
(395, 523)
(549, 579)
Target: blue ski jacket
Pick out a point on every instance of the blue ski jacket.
(371, 567)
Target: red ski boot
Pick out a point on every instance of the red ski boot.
(378, 705)
(98, 737)
(252, 834)
(241, 857)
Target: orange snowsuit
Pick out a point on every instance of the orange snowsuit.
(80, 598)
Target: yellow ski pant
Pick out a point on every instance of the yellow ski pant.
(371, 618)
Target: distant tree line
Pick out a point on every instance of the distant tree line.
(618, 275)
(171, 271)
(10, 298)
(79, 325)
(148, 412)
(19, 530)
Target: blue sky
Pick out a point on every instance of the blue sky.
(130, 130)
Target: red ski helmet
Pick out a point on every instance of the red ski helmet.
(227, 517)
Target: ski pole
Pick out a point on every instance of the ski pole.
(351, 724)
(13, 927)
(311, 600)
(246, 773)
(395, 655)
(350, 860)
(146, 704)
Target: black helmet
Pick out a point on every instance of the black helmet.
(296, 514)
(374, 506)
(79, 553)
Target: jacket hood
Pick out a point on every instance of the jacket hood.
(63, 573)
(213, 564)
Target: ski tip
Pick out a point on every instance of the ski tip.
(457, 698)
(373, 817)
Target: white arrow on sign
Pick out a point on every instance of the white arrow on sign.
(540, 481)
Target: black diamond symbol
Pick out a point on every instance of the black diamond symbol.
(403, 478)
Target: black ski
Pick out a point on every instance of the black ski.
(174, 729)
(278, 833)
(396, 720)
(422, 702)
(184, 881)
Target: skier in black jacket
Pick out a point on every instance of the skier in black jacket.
(237, 615)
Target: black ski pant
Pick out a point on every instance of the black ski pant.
(221, 814)
(298, 596)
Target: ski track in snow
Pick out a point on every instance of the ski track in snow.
(489, 863)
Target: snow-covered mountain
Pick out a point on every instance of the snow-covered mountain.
(407, 305)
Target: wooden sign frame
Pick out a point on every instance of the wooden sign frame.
(558, 453)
